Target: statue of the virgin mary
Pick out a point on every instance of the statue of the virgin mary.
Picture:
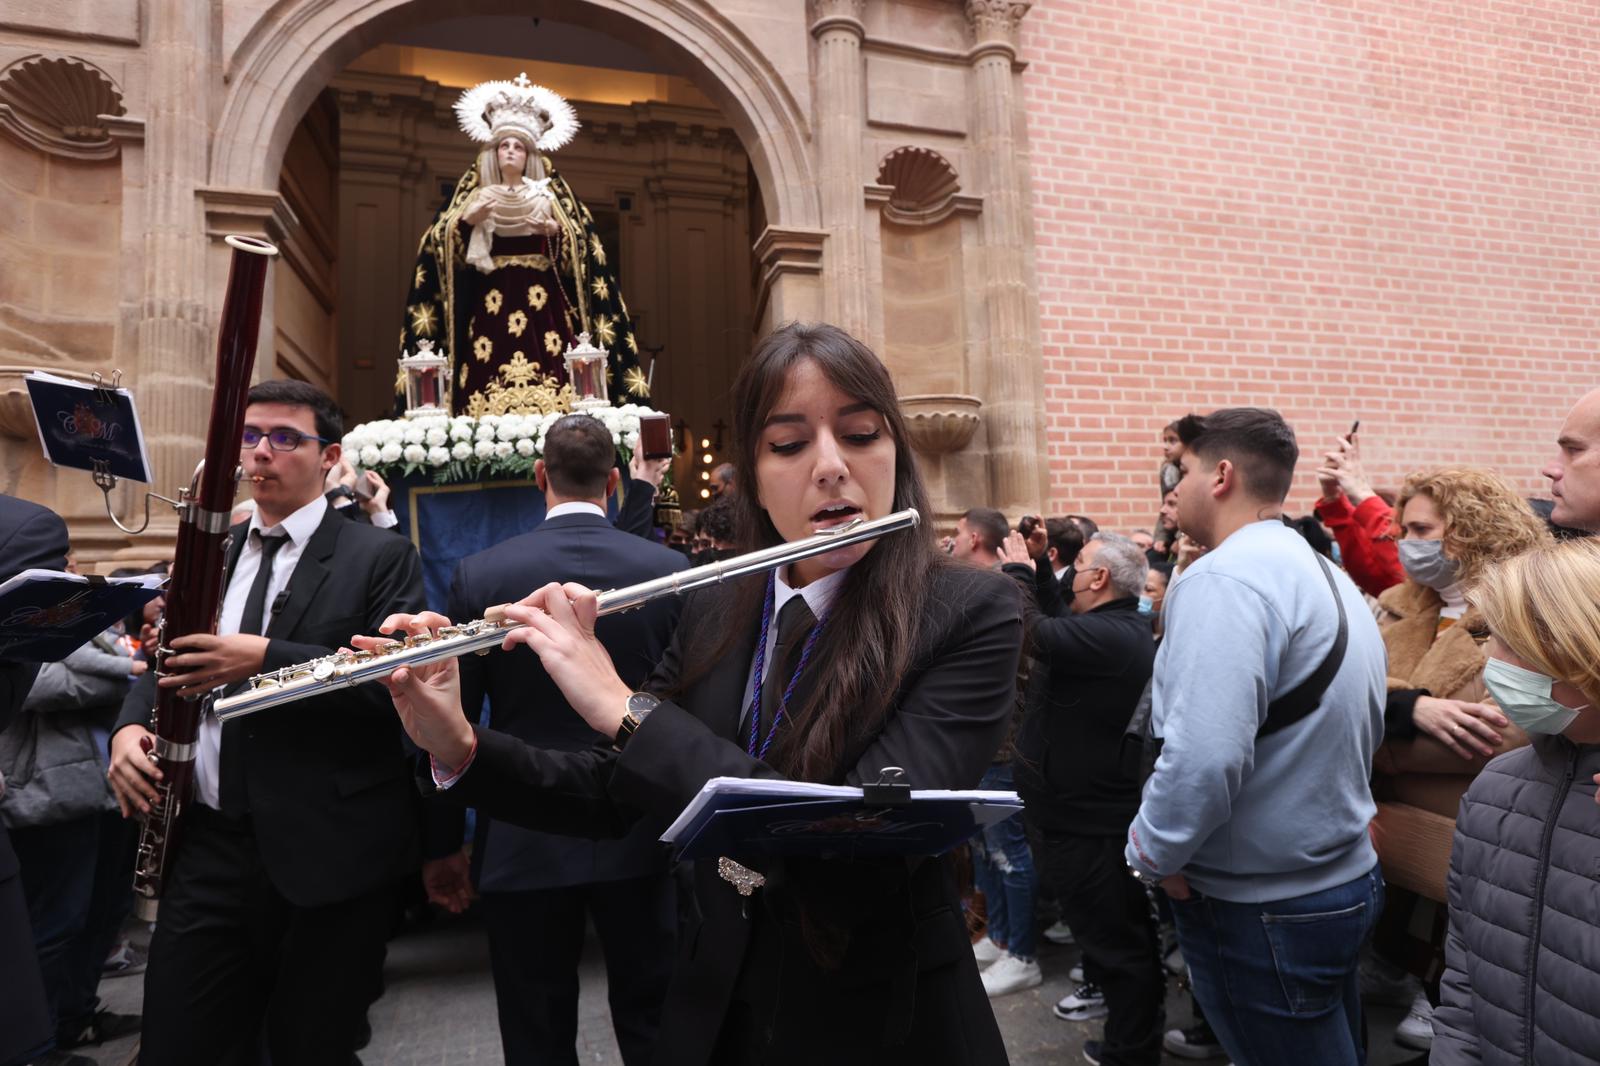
(512, 270)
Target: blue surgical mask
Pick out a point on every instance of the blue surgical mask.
(1147, 606)
(1425, 563)
(1524, 696)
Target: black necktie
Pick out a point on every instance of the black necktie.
(794, 625)
(255, 603)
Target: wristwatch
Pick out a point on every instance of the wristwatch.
(640, 704)
(340, 492)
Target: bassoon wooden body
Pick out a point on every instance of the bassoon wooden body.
(194, 591)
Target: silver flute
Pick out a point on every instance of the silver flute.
(345, 669)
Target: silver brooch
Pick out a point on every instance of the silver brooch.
(742, 878)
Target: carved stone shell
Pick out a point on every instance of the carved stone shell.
(56, 104)
(923, 181)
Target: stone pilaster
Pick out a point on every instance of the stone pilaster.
(840, 119)
(172, 381)
(1011, 407)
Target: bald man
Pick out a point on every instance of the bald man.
(1575, 472)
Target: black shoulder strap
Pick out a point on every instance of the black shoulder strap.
(1289, 708)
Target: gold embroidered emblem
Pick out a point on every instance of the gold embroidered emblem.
(492, 301)
(605, 329)
(423, 320)
(636, 383)
(483, 348)
(597, 249)
(516, 322)
(461, 378)
(552, 342)
(599, 287)
(421, 276)
(537, 297)
(633, 344)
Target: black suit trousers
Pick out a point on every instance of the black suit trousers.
(1110, 917)
(232, 962)
(535, 940)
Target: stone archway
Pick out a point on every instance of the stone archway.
(298, 45)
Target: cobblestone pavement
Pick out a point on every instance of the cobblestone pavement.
(438, 1009)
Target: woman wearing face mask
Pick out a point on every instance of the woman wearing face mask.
(1522, 977)
(1440, 727)
(881, 654)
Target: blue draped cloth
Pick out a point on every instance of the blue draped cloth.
(447, 523)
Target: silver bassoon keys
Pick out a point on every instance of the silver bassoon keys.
(349, 668)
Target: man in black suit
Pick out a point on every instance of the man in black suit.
(31, 537)
(537, 888)
(304, 818)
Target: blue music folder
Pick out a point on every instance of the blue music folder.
(84, 426)
(740, 816)
(46, 615)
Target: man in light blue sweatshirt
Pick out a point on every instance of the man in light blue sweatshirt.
(1255, 819)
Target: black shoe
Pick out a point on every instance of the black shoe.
(1195, 1042)
(1092, 1050)
(97, 1030)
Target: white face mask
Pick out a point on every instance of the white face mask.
(1524, 696)
(1425, 563)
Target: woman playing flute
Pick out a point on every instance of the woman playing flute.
(827, 670)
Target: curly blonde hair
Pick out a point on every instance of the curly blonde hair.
(1545, 606)
(1485, 520)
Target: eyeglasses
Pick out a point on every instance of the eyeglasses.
(281, 439)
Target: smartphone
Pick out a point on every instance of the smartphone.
(655, 436)
(363, 486)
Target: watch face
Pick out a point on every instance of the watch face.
(641, 704)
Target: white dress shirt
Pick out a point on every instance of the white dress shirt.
(574, 507)
(299, 526)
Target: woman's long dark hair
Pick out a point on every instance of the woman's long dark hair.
(873, 623)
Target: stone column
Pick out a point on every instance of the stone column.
(840, 120)
(173, 383)
(1011, 404)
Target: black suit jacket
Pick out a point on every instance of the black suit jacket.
(326, 780)
(526, 704)
(31, 538)
(907, 989)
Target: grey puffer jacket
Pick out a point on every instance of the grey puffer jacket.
(51, 763)
(1522, 960)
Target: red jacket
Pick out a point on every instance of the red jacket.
(1366, 541)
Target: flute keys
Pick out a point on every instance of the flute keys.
(324, 670)
(389, 647)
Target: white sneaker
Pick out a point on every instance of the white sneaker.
(1011, 974)
(1060, 933)
(1076, 973)
(1086, 1004)
(987, 951)
(1416, 1030)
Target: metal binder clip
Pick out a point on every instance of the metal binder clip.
(103, 389)
(891, 789)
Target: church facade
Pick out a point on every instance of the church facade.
(1061, 224)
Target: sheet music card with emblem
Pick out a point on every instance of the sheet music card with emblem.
(88, 425)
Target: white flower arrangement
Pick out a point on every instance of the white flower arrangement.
(466, 449)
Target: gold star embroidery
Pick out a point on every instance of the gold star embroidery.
(537, 297)
(552, 342)
(600, 288)
(633, 344)
(516, 322)
(492, 301)
(597, 249)
(605, 328)
(483, 348)
(421, 276)
(635, 382)
(423, 320)
(400, 380)
(461, 378)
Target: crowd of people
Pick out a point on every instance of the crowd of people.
(1297, 764)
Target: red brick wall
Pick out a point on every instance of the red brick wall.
(1338, 208)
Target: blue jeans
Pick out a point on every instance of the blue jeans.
(1002, 869)
(1278, 980)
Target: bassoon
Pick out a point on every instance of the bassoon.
(194, 590)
